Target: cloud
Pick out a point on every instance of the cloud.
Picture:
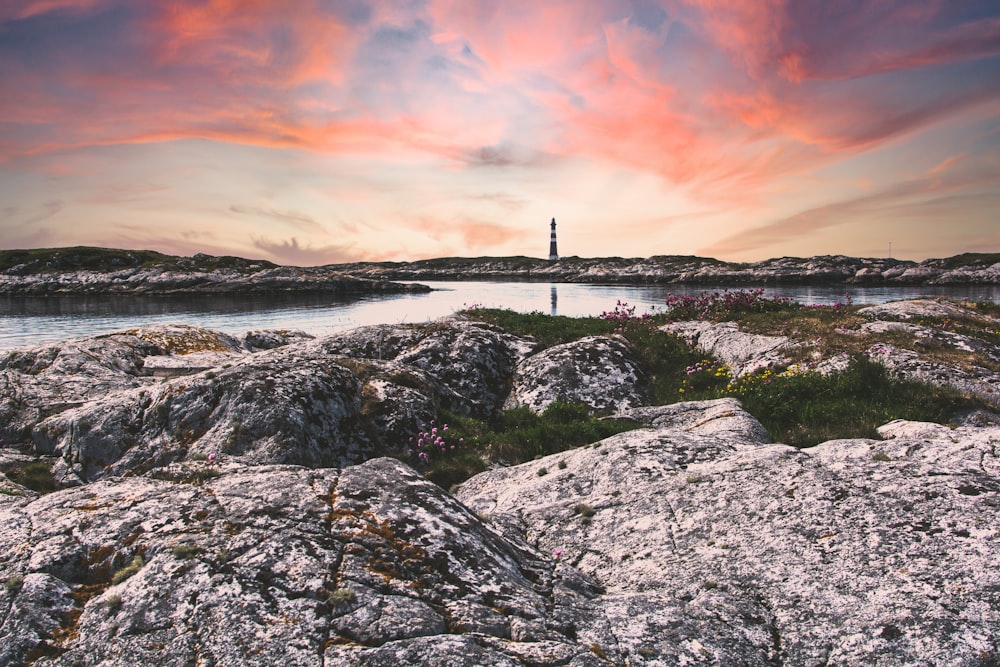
(49, 209)
(475, 234)
(723, 105)
(939, 195)
(504, 155)
(502, 200)
(300, 221)
(20, 10)
(290, 252)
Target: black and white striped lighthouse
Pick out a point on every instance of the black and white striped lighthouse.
(553, 253)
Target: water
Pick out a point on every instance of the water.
(32, 321)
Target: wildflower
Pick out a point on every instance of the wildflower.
(557, 553)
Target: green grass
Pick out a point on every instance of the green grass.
(549, 330)
(516, 436)
(127, 571)
(36, 475)
(662, 356)
(805, 409)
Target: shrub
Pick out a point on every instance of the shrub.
(584, 510)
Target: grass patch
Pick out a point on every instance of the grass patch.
(663, 357)
(127, 571)
(185, 550)
(806, 408)
(516, 436)
(549, 330)
(36, 475)
(988, 308)
(13, 583)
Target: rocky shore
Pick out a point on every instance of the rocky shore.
(68, 271)
(86, 271)
(225, 501)
(967, 269)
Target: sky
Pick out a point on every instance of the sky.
(330, 131)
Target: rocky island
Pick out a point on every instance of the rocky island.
(174, 495)
(69, 271)
(85, 271)
(967, 269)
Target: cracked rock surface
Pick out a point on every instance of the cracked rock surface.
(730, 550)
(598, 371)
(275, 565)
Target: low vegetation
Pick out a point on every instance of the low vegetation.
(798, 406)
(804, 408)
(35, 475)
(514, 436)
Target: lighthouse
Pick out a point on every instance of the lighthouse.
(553, 253)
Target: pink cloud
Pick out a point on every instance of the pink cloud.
(24, 9)
(291, 252)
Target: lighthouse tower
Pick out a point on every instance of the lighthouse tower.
(553, 253)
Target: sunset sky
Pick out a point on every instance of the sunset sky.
(325, 131)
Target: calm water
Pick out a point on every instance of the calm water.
(31, 321)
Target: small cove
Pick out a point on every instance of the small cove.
(37, 320)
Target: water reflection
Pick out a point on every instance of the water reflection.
(25, 321)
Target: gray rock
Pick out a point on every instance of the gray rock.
(283, 406)
(827, 269)
(977, 381)
(41, 381)
(714, 550)
(475, 361)
(276, 565)
(307, 403)
(269, 339)
(916, 308)
(722, 418)
(162, 280)
(598, 371)
(742, 352)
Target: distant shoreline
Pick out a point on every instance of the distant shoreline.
(82, 270)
